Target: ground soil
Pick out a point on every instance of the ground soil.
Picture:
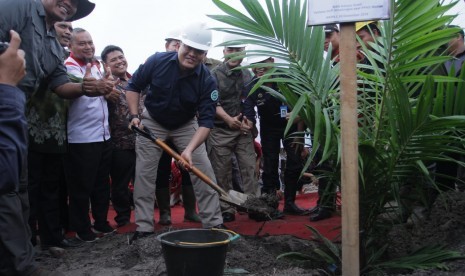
(112, 255)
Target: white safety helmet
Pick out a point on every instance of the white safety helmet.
(173, 34)
(233, 37)
(197, 35)
(255, 54)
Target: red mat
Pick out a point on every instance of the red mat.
(289, 225)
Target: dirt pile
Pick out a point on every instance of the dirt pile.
(112, 255)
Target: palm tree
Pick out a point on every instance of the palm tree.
(411, 118)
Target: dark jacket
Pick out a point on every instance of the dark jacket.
(13, 133)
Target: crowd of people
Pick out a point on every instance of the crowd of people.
(69, 150)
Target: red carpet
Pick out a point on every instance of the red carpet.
(289, 225)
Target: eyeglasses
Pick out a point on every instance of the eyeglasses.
(196, 51)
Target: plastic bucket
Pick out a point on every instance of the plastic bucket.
(195, 251)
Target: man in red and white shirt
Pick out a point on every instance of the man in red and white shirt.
(87, 165)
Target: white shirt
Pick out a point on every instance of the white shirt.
(87, 116)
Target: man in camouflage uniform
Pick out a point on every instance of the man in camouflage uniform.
(232, 133)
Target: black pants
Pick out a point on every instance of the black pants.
(271, 145)
(87, 167)
(164, 171)
(294, 163)
(327, 187)
(45, 181)
(123, 166)
(447, 173)
(16, 251)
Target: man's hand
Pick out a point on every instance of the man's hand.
(187, 155)
(113, 96)
(12, 62)
(296, 119)
(135, 122)
(246, 125)
(93, 87)
(235, 122)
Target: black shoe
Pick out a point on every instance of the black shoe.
(139, 235)
(192, 217)
(123, 223)
(71, 243)
(104, 229)
(220, 226)
(87, 236)
(314, 210)
(292, 209)
(165, 219)
(65, 243)
(321, 215)
(228, 217)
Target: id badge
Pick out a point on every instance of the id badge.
(283, 110)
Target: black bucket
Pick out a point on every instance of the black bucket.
(195, 251)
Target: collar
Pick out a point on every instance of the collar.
(196, 70)
(40, 9)
(82, 62)
(127, 76)
(230, 71)
(460, 54)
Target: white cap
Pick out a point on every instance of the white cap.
(197, 35)
(174, 34)
(233, 37)
(255, 54)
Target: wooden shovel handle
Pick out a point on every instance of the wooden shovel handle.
(148, 134)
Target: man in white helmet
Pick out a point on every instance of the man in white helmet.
(180, 87)
(232, 133)
(274, 115)
(172, 40)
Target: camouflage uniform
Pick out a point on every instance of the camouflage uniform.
(223, 141)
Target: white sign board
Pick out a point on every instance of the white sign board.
(337, 11)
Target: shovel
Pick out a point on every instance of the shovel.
(234, 198)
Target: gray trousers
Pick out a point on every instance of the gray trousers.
(147, 157)
(222, 143)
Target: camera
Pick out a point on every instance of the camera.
(3, 47)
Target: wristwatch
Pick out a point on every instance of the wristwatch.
(132, 116)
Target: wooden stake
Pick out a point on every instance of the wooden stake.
(349, 139)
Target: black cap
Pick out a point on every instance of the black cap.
(460, 30)
(331, 28)
(84, 8)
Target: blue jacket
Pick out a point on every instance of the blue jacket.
(172, 99)
(13, 133)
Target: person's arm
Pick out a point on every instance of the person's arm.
(69, 90)
(90, 86)
(133, 98)
(206, 115)
(232, 122)
(13, 131)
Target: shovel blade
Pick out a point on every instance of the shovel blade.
(237, 196)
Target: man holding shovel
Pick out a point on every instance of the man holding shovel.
(180, 87)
